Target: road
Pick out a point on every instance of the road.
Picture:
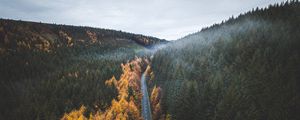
(146, 109)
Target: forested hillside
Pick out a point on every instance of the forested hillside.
(47, 70)
(21, 35)
(244, 68)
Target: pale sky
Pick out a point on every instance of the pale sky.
(167, 19)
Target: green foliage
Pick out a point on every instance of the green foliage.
(245, 68)
(45, 82)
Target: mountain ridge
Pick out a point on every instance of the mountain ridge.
(25, 35)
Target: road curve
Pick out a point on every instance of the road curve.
(146, 109)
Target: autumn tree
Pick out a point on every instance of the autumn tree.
(125, 106)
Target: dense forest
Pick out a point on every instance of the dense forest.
(47, 70)
(245, 68)
(128, 103)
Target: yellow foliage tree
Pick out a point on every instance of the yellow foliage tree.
(124, 107)
(75, 114)
(155, 103)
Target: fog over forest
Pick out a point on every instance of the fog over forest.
(173, 60)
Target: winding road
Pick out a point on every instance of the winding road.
(146, 109)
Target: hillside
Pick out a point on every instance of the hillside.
(22, 35)
(243, 68)
(48, 69)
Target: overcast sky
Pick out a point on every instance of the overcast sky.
(168, 19)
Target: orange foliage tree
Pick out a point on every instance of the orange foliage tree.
(126, 106)
(155, 98)
(155, 103)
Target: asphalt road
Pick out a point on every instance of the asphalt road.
(146, 109)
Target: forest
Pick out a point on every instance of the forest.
(244, 68)
(47, 69)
